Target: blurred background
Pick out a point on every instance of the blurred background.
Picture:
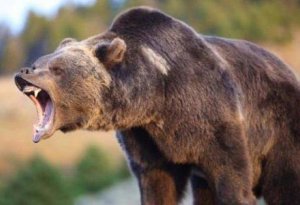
(86, 168)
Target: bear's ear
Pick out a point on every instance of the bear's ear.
(111, 53)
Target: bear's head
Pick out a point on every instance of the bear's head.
(66, 85)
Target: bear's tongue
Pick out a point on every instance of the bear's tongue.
(44, 118)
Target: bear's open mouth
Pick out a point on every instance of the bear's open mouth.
(44, 106)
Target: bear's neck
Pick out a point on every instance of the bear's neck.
(130, 101)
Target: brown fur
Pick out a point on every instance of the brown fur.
(224, 113)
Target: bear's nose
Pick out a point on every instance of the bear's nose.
(27, 70)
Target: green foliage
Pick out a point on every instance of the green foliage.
(95, 172)
(38, 183)
(257, 20)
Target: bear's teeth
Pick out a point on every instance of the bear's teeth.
(34, 89)
(36, 92)
(28, 89)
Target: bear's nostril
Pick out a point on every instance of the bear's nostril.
(26, 70)
(33, 67)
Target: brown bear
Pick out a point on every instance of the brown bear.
(223, 113)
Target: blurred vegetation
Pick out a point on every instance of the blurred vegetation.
(36, 184)
(255, 20)
(40, 183)
(91, 177)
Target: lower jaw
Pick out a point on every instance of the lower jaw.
(38, 136)
(41, 134)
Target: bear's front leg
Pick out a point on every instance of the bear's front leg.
(162, 186)
(227, 166)
(202, 193)
(160, 181)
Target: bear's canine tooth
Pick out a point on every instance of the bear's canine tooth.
(36, 92)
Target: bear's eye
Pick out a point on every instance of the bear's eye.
(56, 70)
